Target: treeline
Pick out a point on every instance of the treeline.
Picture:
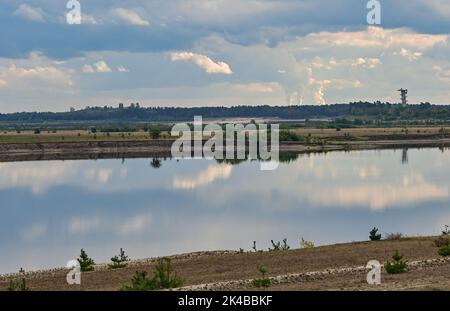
(361, 110)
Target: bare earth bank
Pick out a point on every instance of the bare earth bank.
(334, 267)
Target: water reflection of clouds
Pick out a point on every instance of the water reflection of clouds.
(212, 173)
(337, 180)
(379, 196)
(38, 176)
(100, 175)
(105, 205)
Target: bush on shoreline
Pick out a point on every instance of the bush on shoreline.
(164, 278)
(396, 267)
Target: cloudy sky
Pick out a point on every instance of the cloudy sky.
(221, 52)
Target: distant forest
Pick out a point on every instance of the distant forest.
(134, 112)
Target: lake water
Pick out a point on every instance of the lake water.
(50, 210)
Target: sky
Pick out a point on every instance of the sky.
(221, 53)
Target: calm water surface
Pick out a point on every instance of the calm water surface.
(50, 210)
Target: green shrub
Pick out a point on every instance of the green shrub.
(289, 136)
(119, 261)
(398, 266)
(444, 250)
(155, 132)
(139, 282)
(306, 244)
(164, 278)
(18, 286)
(86, 263)
(374, 235)
(263, 281)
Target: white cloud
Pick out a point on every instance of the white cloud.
(258, 87)
(87, 69)
(366, 62)
(377, 37)
(45, 75)
(80, 225)
(342, 84)
(135, 224)
(88, 19)
(318, 63)
(203, 62)
(129, 17)
(100, 66)
(441, 7)
(121, 68)
(442, 74)
(408, 54)
(3, 83)
(30, 13)
(232, 11)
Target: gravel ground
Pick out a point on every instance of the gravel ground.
(334, 267)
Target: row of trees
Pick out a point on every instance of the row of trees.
(378, 110)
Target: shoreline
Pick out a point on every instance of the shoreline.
(93, 150)
(330, 267)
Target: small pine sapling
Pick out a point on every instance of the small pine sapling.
(139, 282)
(263, 281)
(119, 261)
(398, 266)
(374, 235)
(86, 263)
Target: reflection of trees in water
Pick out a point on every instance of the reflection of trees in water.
(156, 163)
(234, 161)
(284, 157)
(287, 157)
(405, 156)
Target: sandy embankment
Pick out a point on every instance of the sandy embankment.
(334, 267)
(162, 148)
